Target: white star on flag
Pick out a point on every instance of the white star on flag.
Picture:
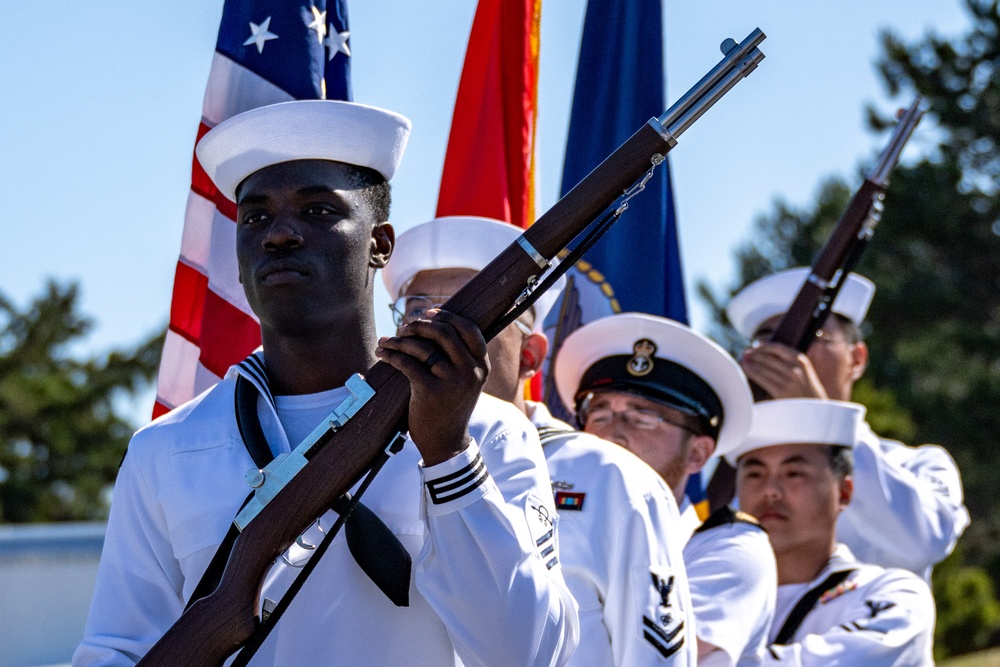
(318, 24)
(259, 34)
(337, 43)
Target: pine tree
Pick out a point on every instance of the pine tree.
(61, 434)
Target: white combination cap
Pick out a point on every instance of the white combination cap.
(302, 130)
(454, 242)
(661, 360)
(773, 295)
(809, 421)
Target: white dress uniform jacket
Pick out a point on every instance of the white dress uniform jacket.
(875, 617)
(733, 578)
(907, 508)
(481, 593)
(620, 547)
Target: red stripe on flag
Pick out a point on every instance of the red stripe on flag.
(203, 185)
(190, 287)
(235, 334)
(159, 409)
(196, 308)
(493, 127)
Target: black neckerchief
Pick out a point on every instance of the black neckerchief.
(806, 604)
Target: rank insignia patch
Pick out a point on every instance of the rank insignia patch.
(663, 625)
(567, 500)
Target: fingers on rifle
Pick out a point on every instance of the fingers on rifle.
(411, 366)
(777, 351)
(443, 330)
(470, 334)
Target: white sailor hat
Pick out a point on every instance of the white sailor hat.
(302, 130)
(662, 360)
(811, 421)
(455, 242)
(773, 295)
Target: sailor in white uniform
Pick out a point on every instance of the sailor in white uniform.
(907, 509)
(794, 475)
(618, 523)
(673, 397)
(467, 497)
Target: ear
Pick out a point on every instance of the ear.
(534, 347)
(859, 360)
(846, 491)
(699, 450)
(382, 242)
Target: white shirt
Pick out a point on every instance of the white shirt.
(480, 592)
(620, 548)
(907, 507)
(733, 577)
(877, 617)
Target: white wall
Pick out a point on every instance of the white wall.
(47, 574)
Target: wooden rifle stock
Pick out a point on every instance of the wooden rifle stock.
(218, 624)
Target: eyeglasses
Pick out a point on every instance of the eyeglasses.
(645, 420)
(406, 309)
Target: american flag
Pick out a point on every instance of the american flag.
(268, 51)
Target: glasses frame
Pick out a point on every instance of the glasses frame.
(398, 308)
(586, 412)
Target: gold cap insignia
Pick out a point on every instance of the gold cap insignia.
(641, 362)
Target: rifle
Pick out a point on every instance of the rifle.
(838, 257)
(841, 252)
(297, 487)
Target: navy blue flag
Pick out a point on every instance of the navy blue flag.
(619, 86)
(636, 267)
(268, 51)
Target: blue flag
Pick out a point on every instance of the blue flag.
(636, 266)
(619, 86)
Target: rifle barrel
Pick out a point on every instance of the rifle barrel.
(740, 60)
(900, 135)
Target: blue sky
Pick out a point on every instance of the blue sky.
(101, 101)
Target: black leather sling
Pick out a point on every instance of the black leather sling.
(806, 604)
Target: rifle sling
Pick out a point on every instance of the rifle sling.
(806, 604)
(375, 548)
(593, 234)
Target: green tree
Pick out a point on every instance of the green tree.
(61, 434)
(934, 325)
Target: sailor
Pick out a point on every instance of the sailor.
(618, 526)
(907, 509)
(675, 398)
(467, 496)
(794, 475)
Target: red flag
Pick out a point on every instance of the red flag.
(489, 166)
(268, 51)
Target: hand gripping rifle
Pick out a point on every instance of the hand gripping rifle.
(298, 487)
(837, 258)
